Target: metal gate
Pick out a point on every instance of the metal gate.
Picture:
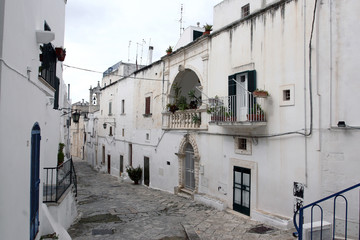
(34, 181)
(241, 195)
(189, 167)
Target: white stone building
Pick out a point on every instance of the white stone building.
(32, 93)
(235, 149)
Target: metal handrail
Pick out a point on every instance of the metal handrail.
(300, 211)
(64, 175)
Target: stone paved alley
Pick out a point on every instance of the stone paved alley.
(111, 209)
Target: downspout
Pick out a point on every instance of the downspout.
(163, 85)
(331, 67)
(305, 115)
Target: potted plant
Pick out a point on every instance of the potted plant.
(196, 119)
(260, 93)
(208, 29)
(182, 104)
(60, 156)
(172, 107)
(193, 100)
(60, 53)
(169, 50)
(134, 173)
(256, 113)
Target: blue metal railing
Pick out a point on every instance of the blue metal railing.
(299, 228)
(57, 180)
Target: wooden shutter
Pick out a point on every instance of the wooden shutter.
(252, 81)
(232, 85)
(147, 105)
(57, 90)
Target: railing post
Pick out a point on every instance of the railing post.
(301, 222)
(71, 168)
(52, 180)
(56, 186)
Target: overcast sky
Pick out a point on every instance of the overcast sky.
(97, 34)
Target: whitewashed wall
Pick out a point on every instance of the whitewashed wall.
(24, 100)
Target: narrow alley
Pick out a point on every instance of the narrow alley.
(110, 209)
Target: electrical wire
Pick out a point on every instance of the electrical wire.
(117, 75)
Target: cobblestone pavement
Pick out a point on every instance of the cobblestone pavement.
(110, 209)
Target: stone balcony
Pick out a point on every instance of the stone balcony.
(191, 119)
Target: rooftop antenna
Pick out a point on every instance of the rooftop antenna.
(181, 19)
(129, 52)
(142, 49)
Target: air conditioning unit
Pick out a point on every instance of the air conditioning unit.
(316, 230)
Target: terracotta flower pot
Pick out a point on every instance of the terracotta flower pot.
(260, 94)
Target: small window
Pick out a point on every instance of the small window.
(147, 136)
(110, 131)
(123, 132)
(287, 95)
(123, 106)
(242, 143)
(245, 10)
(110, 108)
(243, 146)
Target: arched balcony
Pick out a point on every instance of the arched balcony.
(183, 110)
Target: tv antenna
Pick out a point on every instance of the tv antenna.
(181, 19)
(137, 50)
(129, 52)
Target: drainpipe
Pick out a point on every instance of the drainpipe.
(305, 115)
(163, 85)
(331, 67)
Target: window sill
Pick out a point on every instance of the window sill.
(147, 115)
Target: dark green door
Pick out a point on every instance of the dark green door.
(241, 194)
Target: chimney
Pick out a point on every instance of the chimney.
(151, 48)
(68, 92)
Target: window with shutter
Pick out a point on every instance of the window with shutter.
(147, 106)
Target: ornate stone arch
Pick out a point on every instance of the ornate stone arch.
(188, 138)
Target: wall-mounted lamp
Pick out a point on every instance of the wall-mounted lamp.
(76, 116)
(74, 113)
(105, 124)
(341, 124)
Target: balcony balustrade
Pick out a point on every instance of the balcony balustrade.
(190, 119)
(244, 109)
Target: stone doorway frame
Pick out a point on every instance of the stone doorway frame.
(181, 157)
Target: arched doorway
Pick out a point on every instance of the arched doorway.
(189, 164)
(34, 180)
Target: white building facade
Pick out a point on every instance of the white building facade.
(32, 93)
(262, 157)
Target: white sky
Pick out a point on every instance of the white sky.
(97, 34)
